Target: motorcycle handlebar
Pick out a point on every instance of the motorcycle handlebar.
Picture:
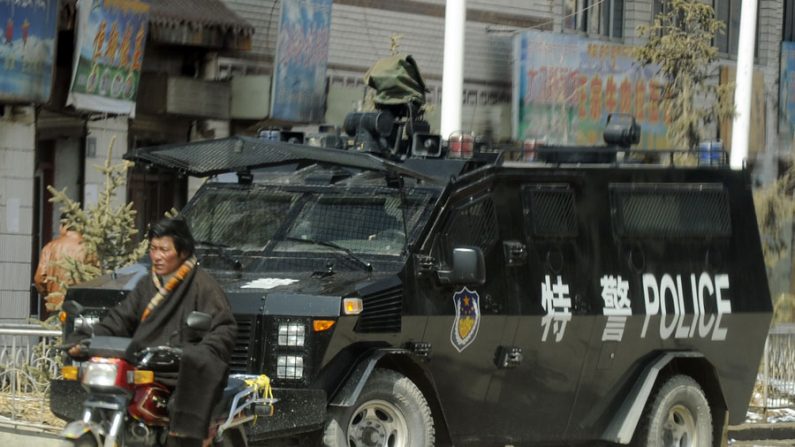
(162, 355)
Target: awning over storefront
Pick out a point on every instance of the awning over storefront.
(206, 23)
(203, 23)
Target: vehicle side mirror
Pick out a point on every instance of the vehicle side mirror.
(468, 267)
(197, 324)
(198, 321)
(72, 308)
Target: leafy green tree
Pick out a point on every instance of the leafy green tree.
(109, 233)
(679, 42)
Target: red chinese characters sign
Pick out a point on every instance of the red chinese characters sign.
(565, 86)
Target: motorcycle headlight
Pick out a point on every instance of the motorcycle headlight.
(101, 373)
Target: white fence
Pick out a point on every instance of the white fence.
(775, 390)
(28, 360)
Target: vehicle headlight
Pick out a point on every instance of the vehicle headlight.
(100, 373)
(292, 334)
(290, 367)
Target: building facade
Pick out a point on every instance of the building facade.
(50, 143)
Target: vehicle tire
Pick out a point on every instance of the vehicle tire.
(85, 440)
(679, 416)
(391, 411)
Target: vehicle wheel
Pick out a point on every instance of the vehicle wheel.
(679, 416)
(85, 440)
(390, 412)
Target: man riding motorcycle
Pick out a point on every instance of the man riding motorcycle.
(154, 313)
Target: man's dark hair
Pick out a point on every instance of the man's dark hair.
(178, 230)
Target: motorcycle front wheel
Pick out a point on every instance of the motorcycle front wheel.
(85, 440)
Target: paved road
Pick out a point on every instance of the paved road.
(778, 443)
(19, 438)
(28, 438)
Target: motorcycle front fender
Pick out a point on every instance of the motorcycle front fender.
(75, 429)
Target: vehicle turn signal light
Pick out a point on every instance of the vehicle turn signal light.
(62, 315)
(69, 372)
(352, 306)
(143, 377)
(322, 325)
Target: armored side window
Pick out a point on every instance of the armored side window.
(549, 211)
(665, 210)
(473, 223)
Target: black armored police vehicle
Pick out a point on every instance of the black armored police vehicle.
(475, 302)
(399, 297)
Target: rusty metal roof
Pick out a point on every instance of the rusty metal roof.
(198, 13)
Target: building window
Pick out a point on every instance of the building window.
(727, 11)
(789, 22)
(602, 17)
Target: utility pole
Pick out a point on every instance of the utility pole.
(743, 83)
(453, 69)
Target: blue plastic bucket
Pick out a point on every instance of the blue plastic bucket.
(710, 153)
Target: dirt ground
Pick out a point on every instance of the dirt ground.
(30, 408)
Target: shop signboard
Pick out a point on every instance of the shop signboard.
(28, 30)
(109, 52)
(786, 122)
(565, 86)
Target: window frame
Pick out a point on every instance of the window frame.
(610, 21)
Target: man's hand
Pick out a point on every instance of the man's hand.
(77, 351)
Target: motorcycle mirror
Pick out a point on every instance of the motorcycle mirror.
(198, 321)
(72, 308)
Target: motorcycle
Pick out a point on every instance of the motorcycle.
(126, 406)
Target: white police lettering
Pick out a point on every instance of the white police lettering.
(556, 302)
(666, 297)
(615, 293)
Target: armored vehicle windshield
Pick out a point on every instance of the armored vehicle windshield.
(298, 214)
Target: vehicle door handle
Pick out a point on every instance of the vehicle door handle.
(508, 357)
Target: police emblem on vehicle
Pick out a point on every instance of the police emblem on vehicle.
(467, 318)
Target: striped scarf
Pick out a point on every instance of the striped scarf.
(164, 291)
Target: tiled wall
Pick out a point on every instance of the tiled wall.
(17, 142)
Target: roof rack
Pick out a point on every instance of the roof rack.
(609, 155)
(236, 154)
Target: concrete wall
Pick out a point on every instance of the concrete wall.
(103, 132)
(17, 147)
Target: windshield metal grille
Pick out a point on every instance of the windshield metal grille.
(246, 219)
(350, 218)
